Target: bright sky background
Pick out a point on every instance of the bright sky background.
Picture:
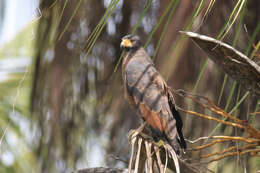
(18, 13)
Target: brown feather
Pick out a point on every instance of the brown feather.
(152, 118)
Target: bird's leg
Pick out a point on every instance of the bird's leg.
(134, 132)
(139, 131)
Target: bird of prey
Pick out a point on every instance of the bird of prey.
(149, 95)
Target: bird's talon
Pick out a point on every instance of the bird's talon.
(159, 143)
(133, 133)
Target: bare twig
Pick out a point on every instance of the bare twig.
(174, 157)
(138, 155)
(210, 144)
(212, 107)
(235, 153)
(166, 162)
(248, 140)
(213, 118)
(229, 149)
(159, 161)
(133, 140)
(148, 147)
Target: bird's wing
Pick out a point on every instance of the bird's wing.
(144, 92)
(177, 117)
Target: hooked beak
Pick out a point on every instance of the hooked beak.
(126, 43)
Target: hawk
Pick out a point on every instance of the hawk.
(149, 95)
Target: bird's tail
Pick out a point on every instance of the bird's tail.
(176, 140)
(175, 145)
(181, 140)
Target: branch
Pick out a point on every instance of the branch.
(158, 154)
(214, 108)
(231, 138)
(228, 150)
(235, 153)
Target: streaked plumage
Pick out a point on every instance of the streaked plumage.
(148, 93)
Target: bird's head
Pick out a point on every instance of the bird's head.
(130, 42)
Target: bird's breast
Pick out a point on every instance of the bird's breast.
(140, 83)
